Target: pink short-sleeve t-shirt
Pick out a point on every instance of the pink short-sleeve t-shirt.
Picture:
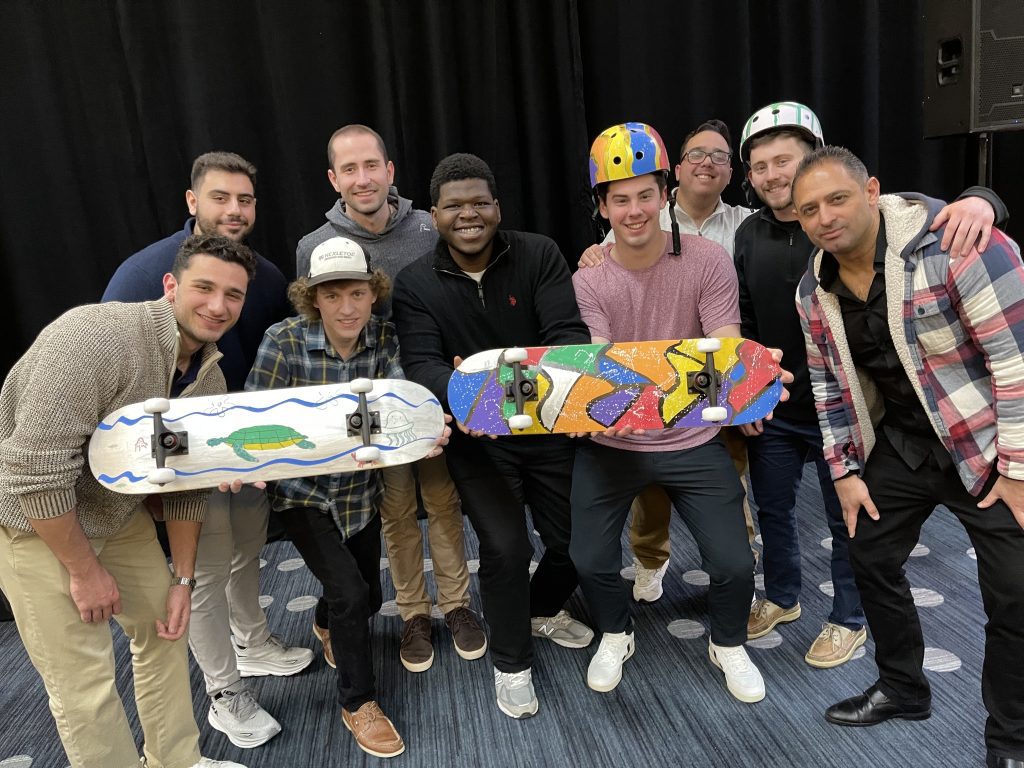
(679, 297)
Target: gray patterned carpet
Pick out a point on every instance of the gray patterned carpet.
(671, 708)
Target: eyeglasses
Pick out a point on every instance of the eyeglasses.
(718, 156)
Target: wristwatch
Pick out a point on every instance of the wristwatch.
(184, 581)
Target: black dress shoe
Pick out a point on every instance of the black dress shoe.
(1003, 762)
(873, 707)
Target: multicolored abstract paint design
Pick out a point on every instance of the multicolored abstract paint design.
(591, 387)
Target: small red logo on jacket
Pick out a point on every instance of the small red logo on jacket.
(511, 300)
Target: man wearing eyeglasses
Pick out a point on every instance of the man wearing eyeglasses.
(703, 172)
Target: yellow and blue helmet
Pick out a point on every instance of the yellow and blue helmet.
(627, 150)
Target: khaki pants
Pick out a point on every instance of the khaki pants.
(404, 541)
(652, 511)
(76, 660)
(226, 600)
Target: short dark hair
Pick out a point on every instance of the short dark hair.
(345, 130)
(832, 154)
(221, 161)
(217, 246)
(302, 294)
(779, 133)
(714, 124)
(458, 167)
(661, 177)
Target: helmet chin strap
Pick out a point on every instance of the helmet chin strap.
(677, 246)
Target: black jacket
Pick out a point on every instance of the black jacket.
(771, 257)
(524, 300)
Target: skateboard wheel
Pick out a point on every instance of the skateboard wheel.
(714, 413)
(367, 453)
(520, 421)
(360, 386)
(709, 345)
(157, 405)
(161, 475)
(515, 355)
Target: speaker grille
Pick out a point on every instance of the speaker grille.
(1000, 73)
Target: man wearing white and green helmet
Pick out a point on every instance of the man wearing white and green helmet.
(771, 253)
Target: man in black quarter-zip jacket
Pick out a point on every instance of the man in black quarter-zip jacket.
(482, 289)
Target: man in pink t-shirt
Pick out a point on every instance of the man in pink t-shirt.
(649, 287)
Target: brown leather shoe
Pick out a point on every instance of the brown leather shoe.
(373, 731)
(324, 636)
(766, 615)
(416, 651)
(470, 641)
(835, 645)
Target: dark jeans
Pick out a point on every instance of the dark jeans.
(905, 498)
(704, 488)
(349, 571)
(777, 459)
(495, 478)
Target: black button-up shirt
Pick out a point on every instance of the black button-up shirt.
(871, 346)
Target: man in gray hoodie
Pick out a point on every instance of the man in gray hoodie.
(393, 234)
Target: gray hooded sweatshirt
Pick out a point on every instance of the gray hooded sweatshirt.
(409, 234)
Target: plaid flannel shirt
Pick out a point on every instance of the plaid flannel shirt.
(958, 326)
(296, 353)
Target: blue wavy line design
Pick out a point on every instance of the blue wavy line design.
(128, 475)
(298, 401)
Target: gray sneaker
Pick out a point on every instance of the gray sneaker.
(515, 695)
(239, 716)
(562, 629)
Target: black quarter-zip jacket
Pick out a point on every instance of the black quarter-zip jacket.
(525, 299)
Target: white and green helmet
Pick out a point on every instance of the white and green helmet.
(782, 114)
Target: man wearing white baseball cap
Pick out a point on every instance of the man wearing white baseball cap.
(333, 520)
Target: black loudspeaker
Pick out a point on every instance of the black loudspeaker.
(973, 66)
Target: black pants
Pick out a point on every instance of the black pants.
(495, 478)
(905, 498)
(349, 571)
(704, 488)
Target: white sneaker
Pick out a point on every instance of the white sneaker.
(239, 716)
(207, 762)
(647, 583)
(514, 693)
(742, 678)
(271, 658)
(562, 629)
(605, 670)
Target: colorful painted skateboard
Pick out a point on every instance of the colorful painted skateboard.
(591, 387)
(176, 445)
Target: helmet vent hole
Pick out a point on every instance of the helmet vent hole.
(776, 111)
(617, 160)
(639, 154)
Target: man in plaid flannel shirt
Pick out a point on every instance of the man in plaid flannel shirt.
(916, 361)
(332, 519)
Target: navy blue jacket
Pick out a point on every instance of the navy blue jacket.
(140, 278)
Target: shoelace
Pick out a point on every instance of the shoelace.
(241, 704)
(832, 632)
(419, 626)
(611, 650)
(644, 576)
(735, 661)
(460, 617)
(762, 609)
(514, 680)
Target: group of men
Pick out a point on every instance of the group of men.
(903, 362)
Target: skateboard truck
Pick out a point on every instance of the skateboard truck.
(707, 381)
(520, 389)
(165, 442)
(364, 422)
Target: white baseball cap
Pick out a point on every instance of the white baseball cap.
(338, 259)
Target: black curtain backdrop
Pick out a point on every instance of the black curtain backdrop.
(104, 105)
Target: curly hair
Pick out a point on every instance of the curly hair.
(302, 294)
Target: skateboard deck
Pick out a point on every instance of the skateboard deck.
(591, 387)
(266, 435)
